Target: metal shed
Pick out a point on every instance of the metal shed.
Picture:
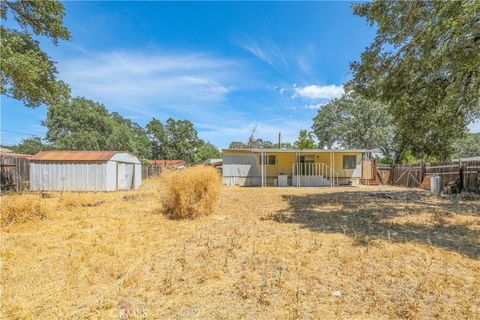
(84, 171)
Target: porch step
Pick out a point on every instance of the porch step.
(370, 182)
(311, 181)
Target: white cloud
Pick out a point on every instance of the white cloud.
(319, 92)
(193, 86)
(138, 82)
(315, 106)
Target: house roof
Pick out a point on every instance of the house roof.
(15, 155)
(167, 163)
(209, 161)
(299, 150)
(74, 155)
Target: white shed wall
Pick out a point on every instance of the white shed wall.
(111, 169)
(112, 172)
(125, 157)
(68, 176)
(81, 176)
(138, 176)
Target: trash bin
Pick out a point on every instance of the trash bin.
(435, 184)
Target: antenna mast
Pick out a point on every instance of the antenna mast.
(251, 139)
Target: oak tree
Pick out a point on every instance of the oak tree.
(27, 73)
(425, 65)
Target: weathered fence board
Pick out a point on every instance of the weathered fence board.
(471, 176)
(151, 171)
(465, 173)
(407, 175)
(15, 173)
(384, 174)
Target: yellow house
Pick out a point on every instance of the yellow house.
(295, 167)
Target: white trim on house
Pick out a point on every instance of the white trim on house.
(301, 150)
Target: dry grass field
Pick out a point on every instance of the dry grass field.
(272, 253)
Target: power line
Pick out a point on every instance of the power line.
(17, 132)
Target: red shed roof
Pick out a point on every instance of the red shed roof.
(74, 155)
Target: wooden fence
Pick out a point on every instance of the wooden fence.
(466, 173)
(14, 174)
(383, 173)
(151, 171)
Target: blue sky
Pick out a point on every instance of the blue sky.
(225, 66)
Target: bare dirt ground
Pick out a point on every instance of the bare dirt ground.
(272, 253)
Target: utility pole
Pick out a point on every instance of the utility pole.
(279, 140)
(250, 140)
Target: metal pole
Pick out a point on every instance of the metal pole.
(261, 168)
(264, 168)
(296, 169)
(299, 168)
(330, 173)
(297, 165)
(333, 167)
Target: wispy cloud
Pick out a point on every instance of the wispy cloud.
(200, 87)
(138, 82)
(319, 92)
(267, 51)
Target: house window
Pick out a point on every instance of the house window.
(349, 162)
(268, 159)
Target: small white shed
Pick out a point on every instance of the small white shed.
(84, 171)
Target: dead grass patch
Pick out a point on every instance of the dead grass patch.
(80, 199)
(191, 192)
(18, 208)
(267, 253)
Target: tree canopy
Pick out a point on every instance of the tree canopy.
(207, 151)
(178, 139)
(424, 64)
(26, 72)
(467, 146)
(353, 122)
(253, 143)
(305, 140)
(82, 124)
(31, 145)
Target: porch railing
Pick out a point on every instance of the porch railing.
(317, 170)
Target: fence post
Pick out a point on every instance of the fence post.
(460, 172)
(392, 174)
(422, 172)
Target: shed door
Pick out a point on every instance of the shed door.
(125, 175)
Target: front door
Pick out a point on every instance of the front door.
(306, 167)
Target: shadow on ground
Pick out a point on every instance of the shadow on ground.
(369, 215)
